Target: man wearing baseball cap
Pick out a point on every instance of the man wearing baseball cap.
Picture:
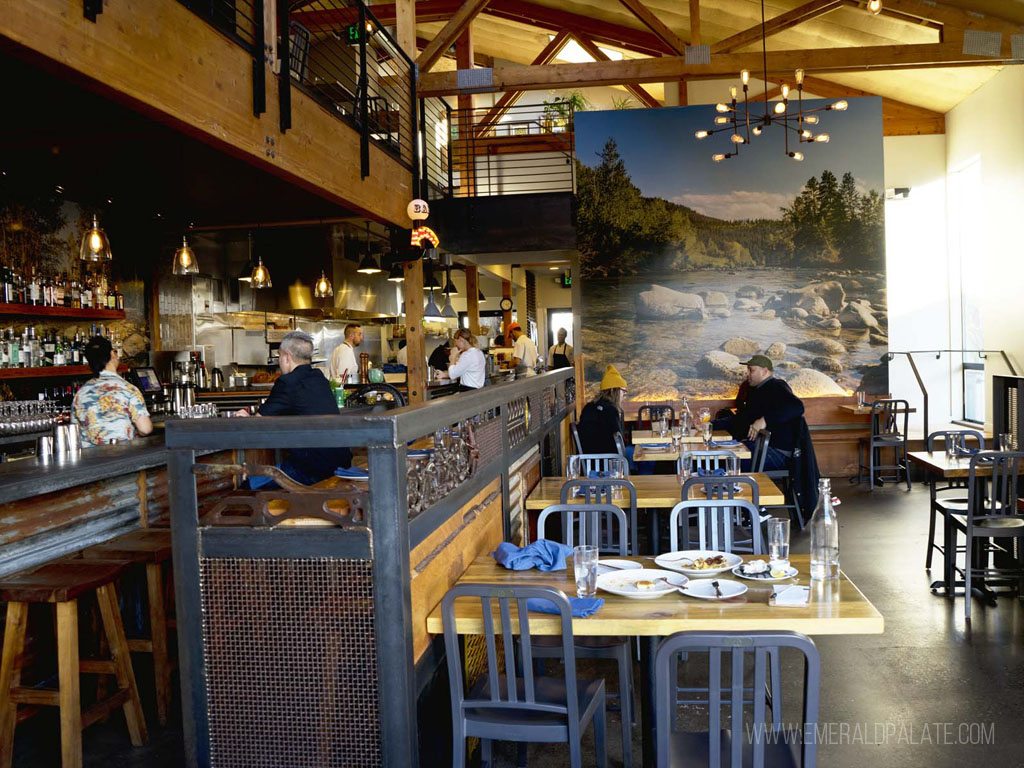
(524, 352)
(770, 404)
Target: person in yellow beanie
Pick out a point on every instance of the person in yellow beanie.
(602, 417)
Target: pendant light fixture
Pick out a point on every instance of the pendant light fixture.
(323, 288)
(185, 262)
(481, 299)
(430, 311)
(429, 279)
(95, 245)
(369, 265)
(397, 273)
(449, 287)
(448, 311)
(260, 276)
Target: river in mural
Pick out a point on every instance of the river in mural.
(689, 265)
(689, 333)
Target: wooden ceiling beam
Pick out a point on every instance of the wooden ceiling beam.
(656, 25)
(695, 37)
(805, 12)
(451, 32)
(637, 91)
(508, 99)
(479, 59)
(947, 15)
(385, 13)
(668, 68)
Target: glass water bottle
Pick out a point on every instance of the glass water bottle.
(824, 536)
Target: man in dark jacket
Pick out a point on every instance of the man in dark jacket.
(302, 391)
(770, 404)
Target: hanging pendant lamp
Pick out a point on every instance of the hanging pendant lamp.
(323, 288)
(260, 276)
(95, 245)
(369, 265)
(481, 298)
(185, 262)
(397, 273)
(430, 311)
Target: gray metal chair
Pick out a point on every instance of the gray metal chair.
(709, 461)
(602, 491)
(759, 452)
(591, 523)
(620, 444)
(586, 464)
(716, 522)
(991, 516)
(717, 487)
(519, 705)
(651, 413)
(575, 432)
(756, 741)
(889, 419)
(942, 505)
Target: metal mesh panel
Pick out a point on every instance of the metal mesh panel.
(291, 665)
(570, 392)
(488, 440)
(549, 403)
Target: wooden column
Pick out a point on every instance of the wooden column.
(464, 60)
(694, 22)
(473, 298)
(405, 26)
(416, 361)
(506, 316)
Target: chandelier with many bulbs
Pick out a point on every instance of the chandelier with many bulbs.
(739, 120)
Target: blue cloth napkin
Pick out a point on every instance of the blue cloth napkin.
(724, 444)
(701, 472)
(357, 472)
(581, 606)
(596, 474)
(543, 554)
(393, 368)
(418, 452)
(656, 446)
(967, 451)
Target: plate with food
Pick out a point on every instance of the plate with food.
(641, 583)
(698, 562)
(714, 589)
(762, 570)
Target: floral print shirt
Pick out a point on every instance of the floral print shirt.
(105, 409)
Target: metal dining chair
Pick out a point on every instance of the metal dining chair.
(990, 516)
(942, 505)
(596, 464)
(620, 444)
(753, 737)
(518, 705)
(602, 491)
(651, 413)
(889, 419)
(717, 487)
(591, 524)
(708, 461)
(575, 432)
(759, 453)
(716, 523)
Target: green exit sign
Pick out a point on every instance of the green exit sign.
(567, 279)
(353, 33)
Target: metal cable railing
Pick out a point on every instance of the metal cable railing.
(343, 58)
(241, 20)
(511, 150)
(435, 119)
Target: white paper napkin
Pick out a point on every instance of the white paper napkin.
(792, 595)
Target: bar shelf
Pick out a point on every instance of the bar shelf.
(34, 310)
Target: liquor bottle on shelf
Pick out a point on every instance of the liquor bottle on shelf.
(49, 348)
(5, 350)
(6, 284)
(111, 300)
(34, 293)
(59, 356)
(59, 290)
(76, 350)
(86, 293)
(118, 298)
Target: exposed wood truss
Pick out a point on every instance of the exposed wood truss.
(805, 12)
(456, 25)
(636, 91)
(656, 25)
(946, 15)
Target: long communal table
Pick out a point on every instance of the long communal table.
(836, 608)
(655, 491)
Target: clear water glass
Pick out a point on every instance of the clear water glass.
(732, 465)
(860, 399)
(584, 562)
(778, 540)
(1006, 441)
(952, 447)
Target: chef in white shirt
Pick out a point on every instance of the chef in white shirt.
(524, 353)
(343, 358)
(468, 364)
(402, 357)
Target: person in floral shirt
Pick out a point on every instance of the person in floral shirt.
(107, 407)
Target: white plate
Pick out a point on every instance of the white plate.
(611, 565)
(622, 582)
(672, 560)
(702, 588)
(766, 576)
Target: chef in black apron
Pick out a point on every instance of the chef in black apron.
(560, 354)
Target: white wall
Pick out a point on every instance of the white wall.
(917, 271)
(987, 127)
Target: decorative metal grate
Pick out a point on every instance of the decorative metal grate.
(518, 420)
(488, 439)
(570, 392)
(291, 662)
(549, 403)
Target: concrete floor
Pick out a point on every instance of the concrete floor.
(906, 698)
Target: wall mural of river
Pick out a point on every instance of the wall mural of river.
(691, 266)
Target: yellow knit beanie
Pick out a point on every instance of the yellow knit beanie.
(612, 379)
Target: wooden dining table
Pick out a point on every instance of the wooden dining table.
(638, 436)
(835, 608)
(667, 453)
(655, 491)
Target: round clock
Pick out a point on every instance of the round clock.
(505, 304)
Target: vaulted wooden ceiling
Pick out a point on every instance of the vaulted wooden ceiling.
(516, 31)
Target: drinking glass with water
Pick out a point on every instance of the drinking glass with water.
(778, 540)
(584, 561)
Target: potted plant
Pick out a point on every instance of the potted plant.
(558, 111)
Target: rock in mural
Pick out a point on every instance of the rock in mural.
(776, 350)
(721, 365)
(742, 347)
(810, 383)
(661, 302)
(823, 346)
(857, 316)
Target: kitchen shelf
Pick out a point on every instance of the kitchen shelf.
(50, 371)
(32, 310)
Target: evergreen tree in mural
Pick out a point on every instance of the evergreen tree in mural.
(832, 222)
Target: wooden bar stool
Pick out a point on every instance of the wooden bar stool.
(151, 548)
(63, 583)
